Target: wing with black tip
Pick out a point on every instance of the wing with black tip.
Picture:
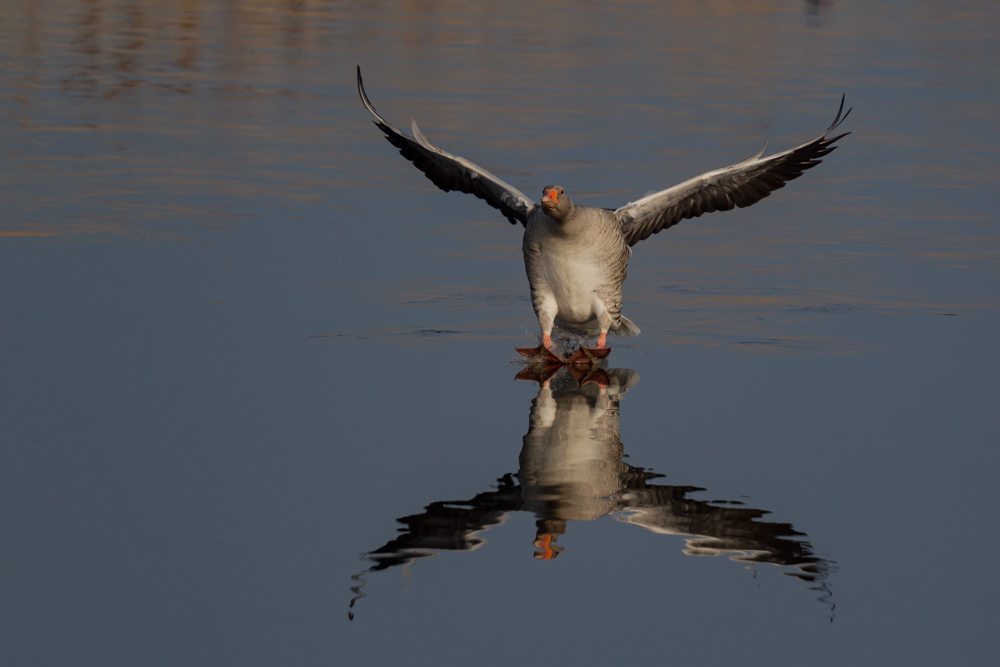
(451, 172)
(741, 184)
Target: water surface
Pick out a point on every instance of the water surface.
(257, 368)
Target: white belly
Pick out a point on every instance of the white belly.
(574, 282)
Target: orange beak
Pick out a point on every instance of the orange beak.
(553, 195)
(545, 542)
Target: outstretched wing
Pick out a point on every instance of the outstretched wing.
(451, 172)
(740, 185)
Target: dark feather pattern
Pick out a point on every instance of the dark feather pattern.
(451, 172)
(739, 185)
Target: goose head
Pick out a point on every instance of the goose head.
(555, 203)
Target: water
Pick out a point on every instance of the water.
(240, 337)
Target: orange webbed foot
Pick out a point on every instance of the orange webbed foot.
(542, 354)
(588, 355)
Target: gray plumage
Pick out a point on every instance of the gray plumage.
(576, 257)
(742, 184)
(451, 172)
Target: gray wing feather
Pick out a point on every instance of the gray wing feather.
(451, 172)
(741, 184)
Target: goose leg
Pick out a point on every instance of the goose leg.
(546, 311)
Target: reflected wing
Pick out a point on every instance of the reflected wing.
(740, 185)
(451, 172)
(449, 526)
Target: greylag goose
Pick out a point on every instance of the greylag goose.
(576, 257)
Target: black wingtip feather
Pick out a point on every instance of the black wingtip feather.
(839, 119)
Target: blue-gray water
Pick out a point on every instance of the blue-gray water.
(240, 337)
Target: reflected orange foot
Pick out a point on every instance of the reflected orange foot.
(539, 374)
(584, 374)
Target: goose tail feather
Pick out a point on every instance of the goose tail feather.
(625, 328)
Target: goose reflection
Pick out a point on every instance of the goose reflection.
(571, 469)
